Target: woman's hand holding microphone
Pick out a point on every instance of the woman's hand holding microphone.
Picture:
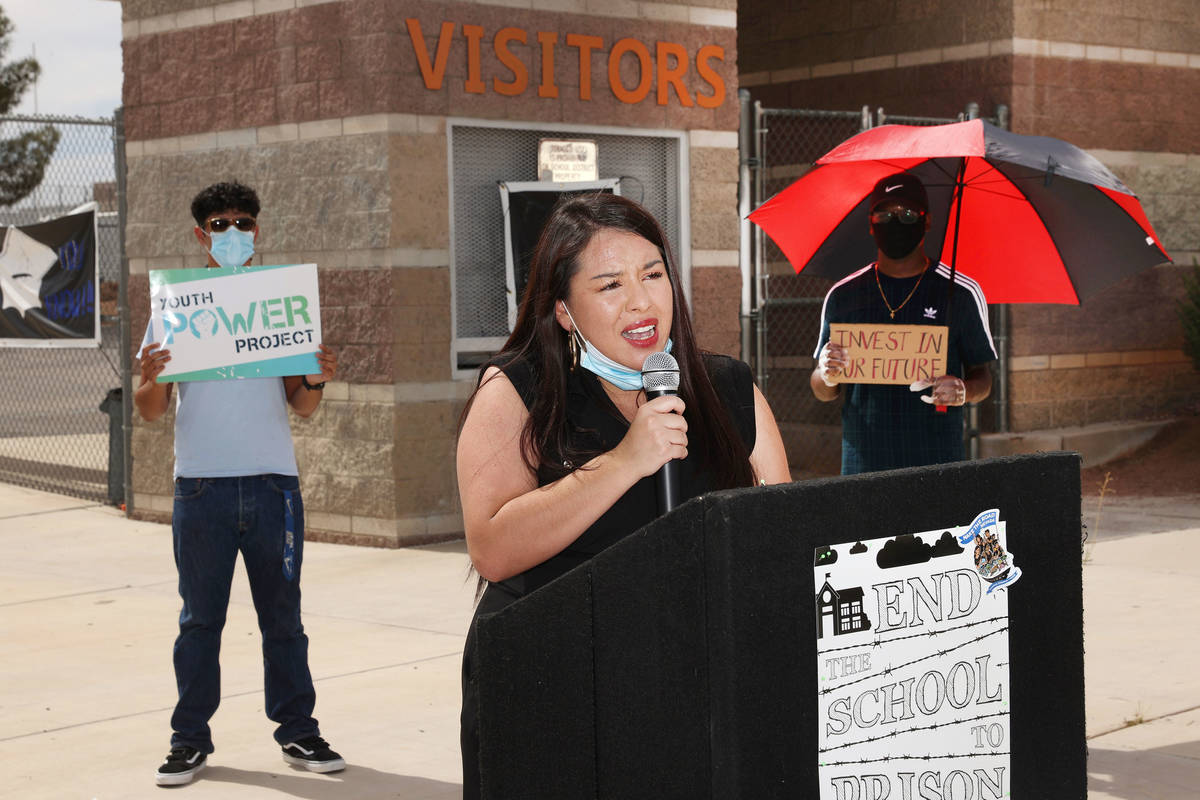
(657, 435)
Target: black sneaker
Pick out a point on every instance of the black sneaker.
(181, 766)
(314, 754)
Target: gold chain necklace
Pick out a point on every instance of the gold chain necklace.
(891, 310)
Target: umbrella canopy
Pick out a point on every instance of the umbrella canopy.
(1037, 221)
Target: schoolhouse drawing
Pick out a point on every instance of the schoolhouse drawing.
(843, 609)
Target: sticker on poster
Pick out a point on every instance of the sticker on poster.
(913, 683)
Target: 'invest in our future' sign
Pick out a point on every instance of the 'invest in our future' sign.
(891, 354)
(236, 322)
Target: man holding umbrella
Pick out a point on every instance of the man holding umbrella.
(1079, 228)
(887, 426)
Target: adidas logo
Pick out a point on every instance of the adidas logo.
(931, 313)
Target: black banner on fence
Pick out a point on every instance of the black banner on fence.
(48, 292)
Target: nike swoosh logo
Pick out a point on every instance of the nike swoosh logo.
(888, 189)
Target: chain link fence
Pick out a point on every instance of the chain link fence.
(787, 312)
(53, 434)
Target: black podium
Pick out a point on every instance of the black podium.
(682, 662)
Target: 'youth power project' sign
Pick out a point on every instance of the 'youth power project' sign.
(236, 322)
(912, 663)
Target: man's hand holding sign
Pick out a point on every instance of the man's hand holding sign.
(230, 320)
(238, 322)
(901, 355)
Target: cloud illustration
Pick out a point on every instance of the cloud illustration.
(903, 550)
(946, 545)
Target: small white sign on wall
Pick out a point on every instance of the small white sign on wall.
(567, 160)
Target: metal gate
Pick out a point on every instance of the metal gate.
(781, 329)
(53, 434)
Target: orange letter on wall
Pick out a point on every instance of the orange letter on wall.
(619, 49)
(547, 87)
(712, 78)
(667, 76)
(509, 59)
(585, 44)
(432, 75)
(474, 83)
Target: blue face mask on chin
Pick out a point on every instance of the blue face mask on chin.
(232, 248)
(600, 365)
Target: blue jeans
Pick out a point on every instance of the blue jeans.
(214, 518)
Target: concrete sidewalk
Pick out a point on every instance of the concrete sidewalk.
(89, 611)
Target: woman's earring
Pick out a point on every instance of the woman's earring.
(573, 346)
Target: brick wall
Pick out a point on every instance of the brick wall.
(775, 36)
(1118, 356)
(1141, 389)
(925, 90)
(342, 59)
(716, 282)
(1155, 25)
(1112, 105)
(1113, 78)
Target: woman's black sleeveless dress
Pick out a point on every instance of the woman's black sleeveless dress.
(596, 424)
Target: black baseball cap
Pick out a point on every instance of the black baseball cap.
(902, 186)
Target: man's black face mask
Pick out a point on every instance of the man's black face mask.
(897, 239)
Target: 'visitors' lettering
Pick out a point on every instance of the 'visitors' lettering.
(664, 69)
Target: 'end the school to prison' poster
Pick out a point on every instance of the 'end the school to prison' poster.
(913, 664)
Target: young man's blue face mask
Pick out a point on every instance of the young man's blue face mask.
(232, 248)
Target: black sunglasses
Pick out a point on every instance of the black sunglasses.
(218, 224)
(907, 216)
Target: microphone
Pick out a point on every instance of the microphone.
(660, 376)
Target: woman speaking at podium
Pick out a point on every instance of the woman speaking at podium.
(559, 445)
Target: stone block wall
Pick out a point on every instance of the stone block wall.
(716, 278)
(1082, 389)
(1113, 78)
(333, 123)
(326, 199)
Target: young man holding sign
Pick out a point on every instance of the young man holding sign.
(236, 489)
(883, 333)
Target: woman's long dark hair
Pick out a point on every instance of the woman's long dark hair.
(538, 340)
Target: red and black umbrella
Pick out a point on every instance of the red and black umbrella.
(1041, 220)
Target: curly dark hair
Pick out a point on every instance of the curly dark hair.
(224, 197)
